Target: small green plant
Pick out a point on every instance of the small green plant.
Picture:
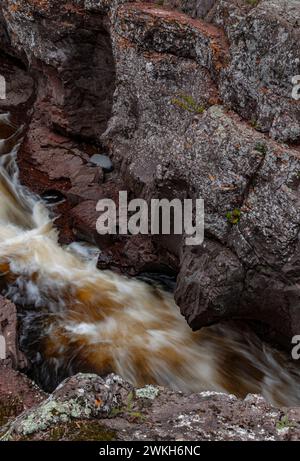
(234, 216)
(284, 423)
(252, 2)
(254, 123)
(128, 409)
(262, 148)
(188, 103)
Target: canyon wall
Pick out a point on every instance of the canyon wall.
(186, 107)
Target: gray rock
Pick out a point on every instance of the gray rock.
(55, 37)
(264, 45)
(10, 353)
(103, 161)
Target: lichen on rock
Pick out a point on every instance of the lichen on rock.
(147, 392)
(69, 414)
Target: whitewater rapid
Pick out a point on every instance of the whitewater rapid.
(74, 317)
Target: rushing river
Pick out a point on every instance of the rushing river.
(74, 317)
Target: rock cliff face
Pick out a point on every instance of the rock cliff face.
(187, 106)
(174, 133)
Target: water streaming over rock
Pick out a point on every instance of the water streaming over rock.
(74, 317)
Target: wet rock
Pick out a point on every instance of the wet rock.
(49, 161)
(17, 394)
(195, 8)
(84, 215)
(84, 218)
(133, 255)
(115, 409)
(19, 87)
(79, 397)
(177, 143)
(52, 196)
(8, 330)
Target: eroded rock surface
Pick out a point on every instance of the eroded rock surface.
(194, 8)
(71, 55)
(17, 392)
(94, 408)
(264, 46)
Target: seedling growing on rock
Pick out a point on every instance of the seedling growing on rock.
(260, 147)
(255, 124)
(234, 216)
(128, 410)
(284, 423)
(188, 103)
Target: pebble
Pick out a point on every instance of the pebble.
(103, 161)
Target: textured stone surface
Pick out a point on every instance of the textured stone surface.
(79, 397)
(195, 8)
(8, 329)
(151, 413)
(17, 393)
(179, 144)
(264, 45)
(19, 86)
(72, 57)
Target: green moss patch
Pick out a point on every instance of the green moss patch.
(188, 103)
(234, 216)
